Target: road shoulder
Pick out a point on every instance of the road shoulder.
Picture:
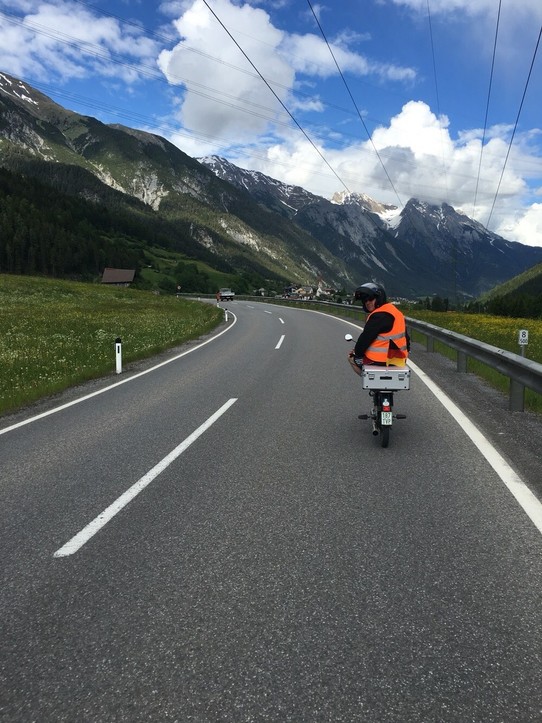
(516, 435)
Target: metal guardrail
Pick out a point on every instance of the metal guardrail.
(522, 373)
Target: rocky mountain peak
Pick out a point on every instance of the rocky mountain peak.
(361, 199)
(251, 219)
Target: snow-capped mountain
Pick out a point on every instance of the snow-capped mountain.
(421, 249)
(246, 222)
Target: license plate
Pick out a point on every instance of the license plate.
(385, 418)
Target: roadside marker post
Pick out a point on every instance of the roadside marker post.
(118, 354)
(523, 340)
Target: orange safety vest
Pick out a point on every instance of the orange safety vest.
(380, 351)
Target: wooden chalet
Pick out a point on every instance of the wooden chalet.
(118, 277)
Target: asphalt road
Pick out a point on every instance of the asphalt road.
(221, 539)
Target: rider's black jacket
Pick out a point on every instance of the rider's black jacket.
(379, 322)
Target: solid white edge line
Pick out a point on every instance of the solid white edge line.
(527, 500)
(102, 519)
(279, 344)
(116, 384)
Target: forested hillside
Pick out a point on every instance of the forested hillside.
(519, 297)
(46, 231)
(52, 234)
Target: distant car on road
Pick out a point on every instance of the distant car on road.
(226, 294)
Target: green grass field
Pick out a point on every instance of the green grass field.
(499, 331)
(56, 334)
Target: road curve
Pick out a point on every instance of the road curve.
(252, 554)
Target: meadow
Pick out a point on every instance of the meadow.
(499, 331)
(56, 334)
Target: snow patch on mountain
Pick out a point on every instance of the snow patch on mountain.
(19, 90)
(392, 217)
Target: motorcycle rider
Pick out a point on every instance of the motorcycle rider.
(384, 340)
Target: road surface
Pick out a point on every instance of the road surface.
(221, 539)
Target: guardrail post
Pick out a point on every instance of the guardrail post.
(461, 362)
(517, 396)
(430, 344)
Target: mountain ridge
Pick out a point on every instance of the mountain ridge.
(397, 247)
(255, 223)
(147, 167)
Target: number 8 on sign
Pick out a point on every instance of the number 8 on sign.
(523, 337)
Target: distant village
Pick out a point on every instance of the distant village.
(309, 292)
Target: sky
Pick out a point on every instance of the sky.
(438, 100)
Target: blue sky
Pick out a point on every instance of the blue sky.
(383, 97)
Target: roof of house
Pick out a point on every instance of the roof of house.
(118, 276)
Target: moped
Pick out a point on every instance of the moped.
(381, 382)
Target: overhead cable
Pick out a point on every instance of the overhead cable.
(354, 102)
(515, 127)
(279, 99)
(152, 73)
(487, 108)
(86, 48)
(437, 97)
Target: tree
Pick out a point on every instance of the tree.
(191, 279)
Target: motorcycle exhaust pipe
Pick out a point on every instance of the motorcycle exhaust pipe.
(375, 430)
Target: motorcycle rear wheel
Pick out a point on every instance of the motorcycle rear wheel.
(384, 436)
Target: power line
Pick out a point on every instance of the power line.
(407, 215)
(354, 102)
(168, 128)
(151, 71)
(515, 126)
(487, 107)
(257, 110)
(278, 98)
(437, 95)
(200, 89)
(108, 57)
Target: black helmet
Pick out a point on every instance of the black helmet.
(369, 291)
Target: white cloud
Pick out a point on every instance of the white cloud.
(472, 7)
(309, 54)
(417, 128)
(527, 229)
(173, 8)
(67, 41)
(423, 161)
(223, 93)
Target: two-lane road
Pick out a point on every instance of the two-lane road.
(221, 539)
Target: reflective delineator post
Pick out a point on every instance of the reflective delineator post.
(118, 353)
(523, 340)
